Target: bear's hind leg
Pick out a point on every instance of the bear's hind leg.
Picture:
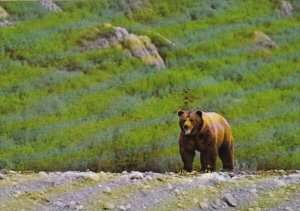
(226, 155)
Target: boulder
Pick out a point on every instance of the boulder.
(133, 45)
(3, 13)
(228, 198)
(286, 9)
(142, 48)
(263, 41)
(50, 6)
(136, 175)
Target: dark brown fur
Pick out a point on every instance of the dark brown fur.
(208, 133)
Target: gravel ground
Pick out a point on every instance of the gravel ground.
(264, 190)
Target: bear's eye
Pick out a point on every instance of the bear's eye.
(191, 120)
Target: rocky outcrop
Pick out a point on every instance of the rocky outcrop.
(3, 18)
(3, 13)
(134, 45)
(131, 6)
(263, 41)
(286, 9)
(50, 5)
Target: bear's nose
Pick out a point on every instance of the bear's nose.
(185, 127)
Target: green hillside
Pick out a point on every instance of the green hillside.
(63, 106)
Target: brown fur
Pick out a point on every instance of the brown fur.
(208, 133)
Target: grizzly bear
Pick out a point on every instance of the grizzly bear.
(209, 133)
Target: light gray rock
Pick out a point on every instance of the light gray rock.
(253, 190)
(107, 190)
(1, 176)
(4, 171)
(59, 204)
(50, 5)
(169, 186)
(5, 23)
(92, 176)
(136, 175)
(43, 174)
(203, 205)
(79, 207)
(230, 200)
(214, 177)
(72, 203)
(286, 9)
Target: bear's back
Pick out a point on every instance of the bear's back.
(217, 125)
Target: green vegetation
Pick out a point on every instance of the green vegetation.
(64, 107)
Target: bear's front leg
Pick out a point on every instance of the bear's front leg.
(204, 160)
(187, 157)
(208, 160)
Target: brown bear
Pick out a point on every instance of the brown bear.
(209, 133)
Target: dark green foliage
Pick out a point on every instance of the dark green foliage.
(63, 106)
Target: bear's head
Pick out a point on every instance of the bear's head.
(190, 122)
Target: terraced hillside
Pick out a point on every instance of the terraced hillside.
(273, 190)
(68, 104)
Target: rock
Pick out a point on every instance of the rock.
(214, 177)
(141, 47)
(136, 175)
(72, 203)
(79, 207)
(93, 176)
(176, 191)
(12, 172)
(203, 205)
(43, 174)
(217, 203)
(231, 174)
(125, 207)
(228, 198)
(1, 176)
(179, 205)
(263, 41)
(147, 186)
(169, 186)
(3, 13)
(122, 207)
(4, 171)
(59, 204)
(286, 9)
(133, 45)
(253, 190)
(107, 190)
(5, 23)
(16, 193)
(50, 5)
(288, 209)
(280, 183)
(148, 178)
(108, 206)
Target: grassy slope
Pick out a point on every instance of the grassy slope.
(63, 108)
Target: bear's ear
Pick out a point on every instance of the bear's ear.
(199, 113)
(180, 113)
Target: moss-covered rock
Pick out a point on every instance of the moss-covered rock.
(138, 46)
(263, 41)
(3, 13)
